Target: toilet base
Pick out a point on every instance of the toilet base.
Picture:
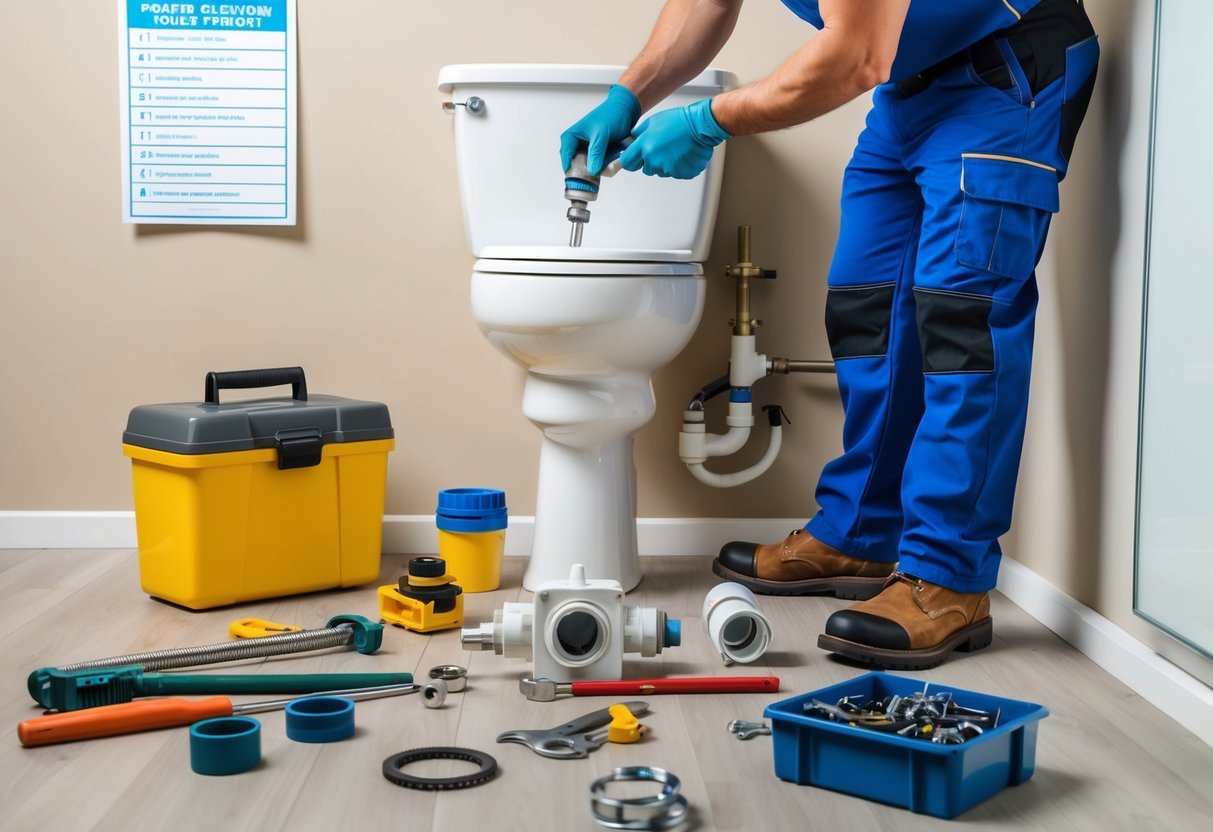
(585, 512)
(590, 336)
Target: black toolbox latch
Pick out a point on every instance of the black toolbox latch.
(298, 447)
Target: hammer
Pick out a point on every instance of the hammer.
(546, 690)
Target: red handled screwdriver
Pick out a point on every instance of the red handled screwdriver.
(545, 690)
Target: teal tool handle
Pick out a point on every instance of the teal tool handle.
(155, 684)
(74, 690)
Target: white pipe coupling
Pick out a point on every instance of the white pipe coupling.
(739, 630)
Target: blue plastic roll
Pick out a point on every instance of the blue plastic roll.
(225, 745)
(320, 719)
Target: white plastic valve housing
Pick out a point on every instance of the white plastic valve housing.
(576, 629)
(738, 629)
(596, 603)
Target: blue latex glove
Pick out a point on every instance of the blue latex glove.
(607, 124)
(676, 143)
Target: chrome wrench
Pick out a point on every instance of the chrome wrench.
(573, 739)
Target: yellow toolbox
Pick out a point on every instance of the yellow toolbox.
(257, 498)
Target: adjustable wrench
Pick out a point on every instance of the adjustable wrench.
(573, 739)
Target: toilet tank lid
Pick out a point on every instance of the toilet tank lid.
(710, 80)
(583, 268)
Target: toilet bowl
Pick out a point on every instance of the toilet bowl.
(589, 325)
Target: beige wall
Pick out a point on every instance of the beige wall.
(370, 291)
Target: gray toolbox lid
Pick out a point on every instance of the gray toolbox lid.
(298, 426)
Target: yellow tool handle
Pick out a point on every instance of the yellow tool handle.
(257, 627)
(124, 718)
(625, 727)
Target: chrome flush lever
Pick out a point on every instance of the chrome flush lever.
(475, 104)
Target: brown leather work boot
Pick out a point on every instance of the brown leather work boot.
(800, 565)
(910, 625)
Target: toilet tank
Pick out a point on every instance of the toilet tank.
(512, 186)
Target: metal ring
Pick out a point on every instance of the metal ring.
(455, 676)
(393, 764)
(677, 813)
(646, 814)
(669, 787)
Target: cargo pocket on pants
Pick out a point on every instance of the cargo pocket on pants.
(1007, 205)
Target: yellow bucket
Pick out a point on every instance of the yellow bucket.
(471, 536)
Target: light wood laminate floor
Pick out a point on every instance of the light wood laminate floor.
(1106, 759)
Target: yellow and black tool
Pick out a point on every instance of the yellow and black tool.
(424, 600)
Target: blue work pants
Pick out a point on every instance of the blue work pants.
(930, 311)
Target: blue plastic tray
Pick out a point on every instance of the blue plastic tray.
(916, 774)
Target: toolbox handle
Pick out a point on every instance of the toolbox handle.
(245, 379)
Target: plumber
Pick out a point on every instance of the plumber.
(931, 295)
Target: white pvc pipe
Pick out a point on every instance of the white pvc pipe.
(738, 629)
(753, 472)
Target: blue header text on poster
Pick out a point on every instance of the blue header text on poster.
(265, 16)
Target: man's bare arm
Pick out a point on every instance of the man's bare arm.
(852, 54)
(687, 36)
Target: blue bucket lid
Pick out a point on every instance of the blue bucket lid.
(471, 509)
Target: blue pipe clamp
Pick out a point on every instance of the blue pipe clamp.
(225, 745)
(320, 719)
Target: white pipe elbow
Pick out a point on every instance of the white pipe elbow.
(724, 444)
(756, 470)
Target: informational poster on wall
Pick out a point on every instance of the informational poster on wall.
(208, 112)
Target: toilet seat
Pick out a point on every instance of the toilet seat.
(587, 268)
(587, 253)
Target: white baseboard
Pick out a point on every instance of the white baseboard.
(1177, 693)
(67, 530)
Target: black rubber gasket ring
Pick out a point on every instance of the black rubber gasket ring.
(392, 768)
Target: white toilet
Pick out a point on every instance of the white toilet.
(589, 324)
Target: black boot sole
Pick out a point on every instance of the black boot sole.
(974, 637)
(852, 589)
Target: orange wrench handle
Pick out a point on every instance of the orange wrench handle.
(125, 718)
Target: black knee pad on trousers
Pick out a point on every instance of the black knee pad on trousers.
(857, 319)
(954, 331)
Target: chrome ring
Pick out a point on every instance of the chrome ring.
(644, 814)
(455, 676)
